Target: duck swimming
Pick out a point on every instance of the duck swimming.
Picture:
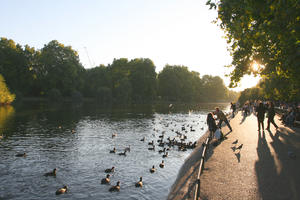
(109, 170)
(106, 180)
(151, 143)
(140, 183)
(113, 151)
(162, 164)
(113, 135)
(62, 190)
(143, 139)
(152, 170)
(115, 188)
(123, 153)
(165, 155)
(21, 155)
(53, 173)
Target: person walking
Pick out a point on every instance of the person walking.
(211, 123)
(271, 115)
(221, 116)
(233, 107)
(260, 113)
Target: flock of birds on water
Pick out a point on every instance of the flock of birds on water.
(165, 145)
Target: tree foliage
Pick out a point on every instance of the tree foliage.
(5, 96)
(267, 32)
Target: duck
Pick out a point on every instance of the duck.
(162, 164)
(140, 183)
(105, 180)
(165, 155)
(113, 151)
(143, 139)
(109, 170)
(21, 155)
(161, 151)
(152, 170)
(113, 135)
(127, 148)
(123, 153)
(62, 190)
(115, 188)
(53, 173)
(152, 148)
(151, 143)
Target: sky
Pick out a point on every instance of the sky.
(174, 32)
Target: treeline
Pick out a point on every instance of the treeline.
(55, 72)
(273, 88)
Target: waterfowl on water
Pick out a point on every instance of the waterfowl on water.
(165, 155)
(106, 180)
(161, 151)
(53, 173)
(152, 148)
(151, 143)
(127, 148)
(162, 164)
(62, 190)
(115, 188)
(140, 183)
(113, 135)
(109, 170)
(113, 151)
(143, 139)
(21, 155)
(152, 170)
(123, 153)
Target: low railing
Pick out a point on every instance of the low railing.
(201, 167)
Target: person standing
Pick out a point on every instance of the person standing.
(211, 123)
(221, 116)
(260, 113)
(233, 107)
(271, 115)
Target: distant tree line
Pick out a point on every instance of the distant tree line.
(55, 72)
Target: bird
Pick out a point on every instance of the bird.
(62, 190)
(240, 147)
(165, 155)
(162, 164)
(235, 142)
(143, 139)
(115, 188)
(113, 135)
(152, 170)
(127, 148)
(113, 151)
(151, 143)
(105, 180)
(139, 183)
(233, 148)
(161, 151)
(21, 155)
(123, 153)
(109, 170)
(53, 173)
(152, 148)
(73, 131)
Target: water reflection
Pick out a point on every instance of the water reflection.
(6, 114)
(45, 134)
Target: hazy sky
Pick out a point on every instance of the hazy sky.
(175, 32)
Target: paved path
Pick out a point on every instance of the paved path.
(262, 169)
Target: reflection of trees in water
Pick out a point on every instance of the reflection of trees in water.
(6, 112)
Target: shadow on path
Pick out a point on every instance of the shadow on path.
(275, 169)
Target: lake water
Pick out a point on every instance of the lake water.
(44, 132)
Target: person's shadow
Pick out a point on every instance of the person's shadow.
(274, 175)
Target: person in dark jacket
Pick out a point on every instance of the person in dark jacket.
(271, 115)
(260, 113)
(211, 123)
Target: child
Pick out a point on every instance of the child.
(211, 123)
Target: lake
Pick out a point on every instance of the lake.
(76, 139)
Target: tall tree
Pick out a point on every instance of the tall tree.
(267, 32)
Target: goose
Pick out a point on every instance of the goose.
(113, 151)
(109, 170)
(105, 180)
(115, 188)
(140, 183)
(21, 155)
(165, 155)
(53, 173)
(123, 153)
(152, 170)
(127, 148)
(62, 190)
(162, 164)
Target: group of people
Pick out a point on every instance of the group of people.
(259, 108)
